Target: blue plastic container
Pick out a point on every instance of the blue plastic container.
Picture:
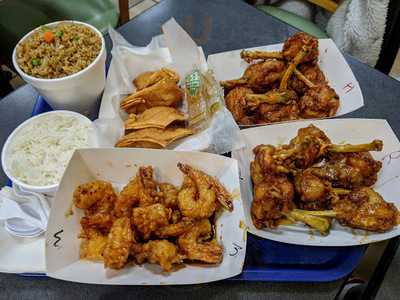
(267, 260)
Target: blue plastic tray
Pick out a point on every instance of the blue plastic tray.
(274, 261)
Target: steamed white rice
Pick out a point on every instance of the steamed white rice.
(41, 150)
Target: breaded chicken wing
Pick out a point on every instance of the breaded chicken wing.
(160, 252)
(118, 245)
(150, 218)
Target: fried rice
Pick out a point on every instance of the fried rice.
(58, 51)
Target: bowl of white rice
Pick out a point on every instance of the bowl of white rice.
(37, 152)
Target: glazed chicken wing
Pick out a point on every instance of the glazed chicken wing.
(270, 113)
(312, 73)
(150, 218)
(272, 197)
(315, 193)
(350, 170)
(366, 209)
(235, 101)
(258, 75)
(296, 43)
(291, 47)
(118, 245)
(318, 102)
(160, 252)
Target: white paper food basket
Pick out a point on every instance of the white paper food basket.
(117, 166)
(174, 49)
(352, 131)
(229, 65)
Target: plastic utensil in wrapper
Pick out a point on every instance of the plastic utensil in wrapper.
(203, 96)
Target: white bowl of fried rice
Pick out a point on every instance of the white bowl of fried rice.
(65, 62)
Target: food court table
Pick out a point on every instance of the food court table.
(216, 25)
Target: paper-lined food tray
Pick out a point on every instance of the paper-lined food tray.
(117, 166)
(354, 131)
(229, 65)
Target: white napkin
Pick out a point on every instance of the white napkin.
(25, 213)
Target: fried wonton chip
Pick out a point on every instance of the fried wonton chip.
(156, 117)
(153, 137)
(147, 79)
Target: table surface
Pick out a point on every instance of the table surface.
(216, 25)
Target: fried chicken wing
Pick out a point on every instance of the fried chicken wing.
(350, 170)
(118, 245)
(365, 209)
(128, 198)
(194, 249)
(160, 252)
(258, 75)
(174, 230)
(88, 194)
(291, 47)
(296, 43)
(315, 193)
(163, 93)
(319, 101)
(302, 152)
(148, 193)
(272, 197)
(97, 198)
(169, 195)
(147, 79)
(150, 218)
(92, 245)
(270, 113)
(312, 73)
(236, 102)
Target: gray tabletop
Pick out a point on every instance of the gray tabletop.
(216, 25)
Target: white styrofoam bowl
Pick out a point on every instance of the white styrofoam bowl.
(77, 92)
(6, 150)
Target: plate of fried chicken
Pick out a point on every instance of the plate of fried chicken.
(321, 183)
(147, 217)
(303, 78)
